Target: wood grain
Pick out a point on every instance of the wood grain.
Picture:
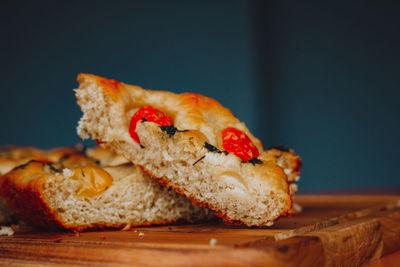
(391, 260)
(332, 230)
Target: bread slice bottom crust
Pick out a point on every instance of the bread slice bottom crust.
(164, 182)
(33, 198)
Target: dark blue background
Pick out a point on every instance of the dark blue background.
(321, 78)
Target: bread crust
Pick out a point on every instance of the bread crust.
(188, 110)
(288, 161)
(164, 182)
(30, 206)
(12, 156)
(23, 189)
(26, 200)
(197, 117)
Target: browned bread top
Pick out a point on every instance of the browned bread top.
(190, 111)
(12, 156)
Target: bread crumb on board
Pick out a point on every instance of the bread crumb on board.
(297, 208)
(141, 234)
(213, 241)
(6, 230)
(127, 227)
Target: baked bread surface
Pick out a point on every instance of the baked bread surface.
(12, 156)
(250, 193)
(68, 194)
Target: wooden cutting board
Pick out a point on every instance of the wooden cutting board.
(340, 230)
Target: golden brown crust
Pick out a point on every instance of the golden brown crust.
(12, 156)
(20, 195)
(188, 110)
(287, 160)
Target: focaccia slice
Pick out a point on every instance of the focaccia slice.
(78, 193)
(12, 156)
(191, 143)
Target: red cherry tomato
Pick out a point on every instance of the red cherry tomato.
(148, 113)
(239, 144)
